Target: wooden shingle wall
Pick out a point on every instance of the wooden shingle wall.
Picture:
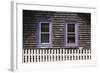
(30, 27)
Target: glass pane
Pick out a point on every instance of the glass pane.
(71, 27)
(71, 39)
(44, 38)
(44, 27)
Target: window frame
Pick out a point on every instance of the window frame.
(45, 45)
(16, 40)
(71, 45)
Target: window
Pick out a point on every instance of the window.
(44, 34)
(71, 35)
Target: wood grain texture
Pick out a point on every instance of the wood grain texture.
(30, 24)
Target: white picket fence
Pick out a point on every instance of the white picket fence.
(47, 55)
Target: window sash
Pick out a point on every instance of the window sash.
(70, 28)
(45, 28)
(44, 37)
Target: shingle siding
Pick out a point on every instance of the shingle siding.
(30, 24)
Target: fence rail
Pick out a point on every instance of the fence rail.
(47, 55)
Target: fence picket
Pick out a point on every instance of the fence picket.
(47, 55)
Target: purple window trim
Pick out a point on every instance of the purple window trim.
(76, 34)
(37, 34)
(65, 33)
(44, 45)
(38, 20)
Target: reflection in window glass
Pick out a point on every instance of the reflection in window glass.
(44, 38)
(71, 27)
(44, 27)
(71, 39)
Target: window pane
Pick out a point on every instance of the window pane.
(44, 27)
(71, 39)
(44, 38)
(71, 27)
